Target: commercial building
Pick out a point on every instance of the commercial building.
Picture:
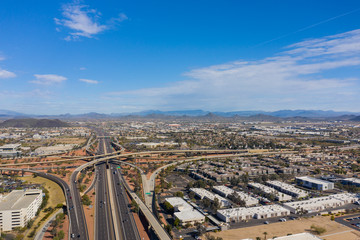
(314, 183)
(10, 150)
(279, 196)
(298, 236)
(19, 207)
(288, 189)
(184, 211)
(351, 181)
(225, 192)
(241, 214)
(203, 193)
(321, 203)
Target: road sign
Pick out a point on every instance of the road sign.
(148, 193)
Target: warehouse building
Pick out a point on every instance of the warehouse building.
(225, 192)
(314, 183)
(298, 236)
(203, 193)
(279, 196)
(288, 189)
(184, 211)
(351, 181)
(19, 207)
(321, 203)
(10, 150)
(241, 214)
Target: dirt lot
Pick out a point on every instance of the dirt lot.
(334, 230)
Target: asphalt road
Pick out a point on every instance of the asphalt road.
(104, 227)
(127, 224)
(81, 231)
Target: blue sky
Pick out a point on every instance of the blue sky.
(128, 56)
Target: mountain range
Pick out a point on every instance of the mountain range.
(263, 115)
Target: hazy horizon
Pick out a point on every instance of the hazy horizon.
(124, 57)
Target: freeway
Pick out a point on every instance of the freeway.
(126, 222)
(104, 227)
(78, 208)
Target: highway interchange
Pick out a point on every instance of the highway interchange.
(113, 217)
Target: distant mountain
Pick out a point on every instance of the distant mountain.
(7, 113)
(157, 114)
(33, 123)
(356, 119)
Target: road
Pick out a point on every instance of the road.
(75, 222)
(40, 234)
(126, 220)
(78, 208)
(104, 226)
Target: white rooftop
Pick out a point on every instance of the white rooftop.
(298, 236)
(18, 199)
(313, 180)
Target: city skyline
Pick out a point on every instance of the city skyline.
(114, 57)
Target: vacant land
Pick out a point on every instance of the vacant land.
(334, 230)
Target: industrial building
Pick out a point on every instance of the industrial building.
(203, 193)
(184, 211)
(226, 191)
(262, 212)
(288, 189)
(10, 150)
(314, 183)
(19, 207)
(351, 181)
(298, 236)
(279, 196)
(321, 203)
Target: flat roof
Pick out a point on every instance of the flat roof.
(314, 180)
(353, 180)
(19, 199)
(189, 215)
(298, 236)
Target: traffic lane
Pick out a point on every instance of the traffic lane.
(103, 223)
(125, 215)
(124, 206)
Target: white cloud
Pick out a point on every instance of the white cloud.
(302, 76)
(89, 81)
(6, 74)
(83, 21)
(48, 79)
(82, 68)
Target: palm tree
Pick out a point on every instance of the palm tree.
(265, 233)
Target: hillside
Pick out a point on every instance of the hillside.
(34, 123)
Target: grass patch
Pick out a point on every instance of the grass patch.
(56, 196)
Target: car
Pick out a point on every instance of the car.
(266, 222)
(72, 235)
(282, 220)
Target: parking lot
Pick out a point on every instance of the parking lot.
(352, 221)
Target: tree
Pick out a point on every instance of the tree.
(176, 222)
(265, 234)
(179, 194)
